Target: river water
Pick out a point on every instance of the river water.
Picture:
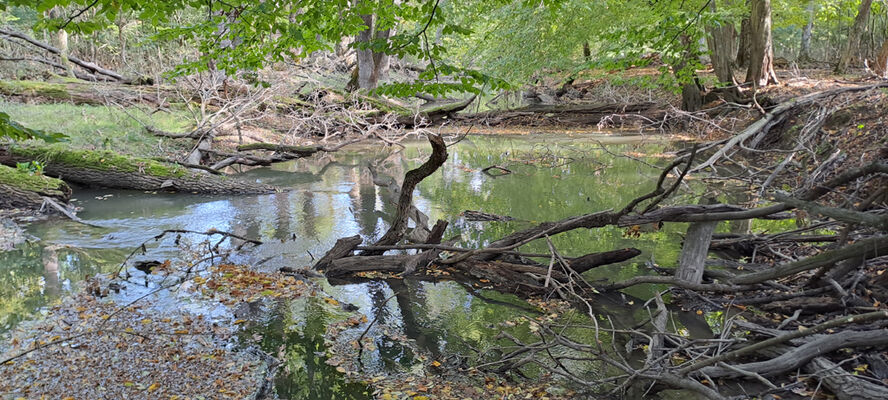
(333, 196)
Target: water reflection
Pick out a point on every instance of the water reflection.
(334, 196)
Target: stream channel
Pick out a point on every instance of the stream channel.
(333, 196)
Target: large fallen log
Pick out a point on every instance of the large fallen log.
(20, 189)
(112, 170)
(81, 92)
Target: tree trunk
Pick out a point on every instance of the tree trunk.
(721, 46)
(879, 66)
(112, 170)
(20, 189)
(371, 66)
(691, 96)
(852, 46)
(761, 52)
(692, 261)
(805, 48)
(121, 39)
(587, 52)
(743, 46)
(62, 43)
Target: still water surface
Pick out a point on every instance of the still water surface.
(333, 196)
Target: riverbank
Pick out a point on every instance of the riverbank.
(805, 148)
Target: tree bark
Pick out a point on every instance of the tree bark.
(743, 46)
(805, 48)
(721, 47)
(879, 66)
(691, 96)
(691, 263)
(761, 52)
(405, 200)
(371, 66)
(112, 170)
(22, 190)
(852, 46)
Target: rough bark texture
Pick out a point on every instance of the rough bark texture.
(879, 66)
(342, 248)
(761, 51)
(23, 190)
(721, 46)
(842, 383)
(691, 263)
(81, 92)
(691, 91)
(109, 169)
(852, 46)
(798, 356)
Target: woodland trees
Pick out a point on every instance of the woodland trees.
(480, 44)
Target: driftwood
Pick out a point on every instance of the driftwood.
(843, 384)
(405, 200)
(343, 247)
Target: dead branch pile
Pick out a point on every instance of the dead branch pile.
(786, 302)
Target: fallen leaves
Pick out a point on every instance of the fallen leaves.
(113, 352)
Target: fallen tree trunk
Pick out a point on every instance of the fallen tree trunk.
(109, 169)
(80, 92)
(798, 356)
(843, 384)
(564, 115)
(23, 190)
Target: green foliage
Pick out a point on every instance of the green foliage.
(15, 131)
(31, 168)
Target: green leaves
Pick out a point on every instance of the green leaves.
(15, 131)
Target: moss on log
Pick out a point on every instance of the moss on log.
(80, 92)
(113, 170)
(20, 189)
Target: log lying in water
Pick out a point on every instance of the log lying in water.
(20, 189)
(112, 170)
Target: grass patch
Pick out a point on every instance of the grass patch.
(103, 128)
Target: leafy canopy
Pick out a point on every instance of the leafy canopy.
(15, 131)
(245, 35)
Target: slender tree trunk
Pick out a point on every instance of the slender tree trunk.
(721, 39)
(805, 48)
(743, 46)
(761, 51)
(587, 51)
(62, 43)
(852, 45)
(121, 39)
(691, 96)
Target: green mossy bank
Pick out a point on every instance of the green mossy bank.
(113, 170)
(19, 189)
